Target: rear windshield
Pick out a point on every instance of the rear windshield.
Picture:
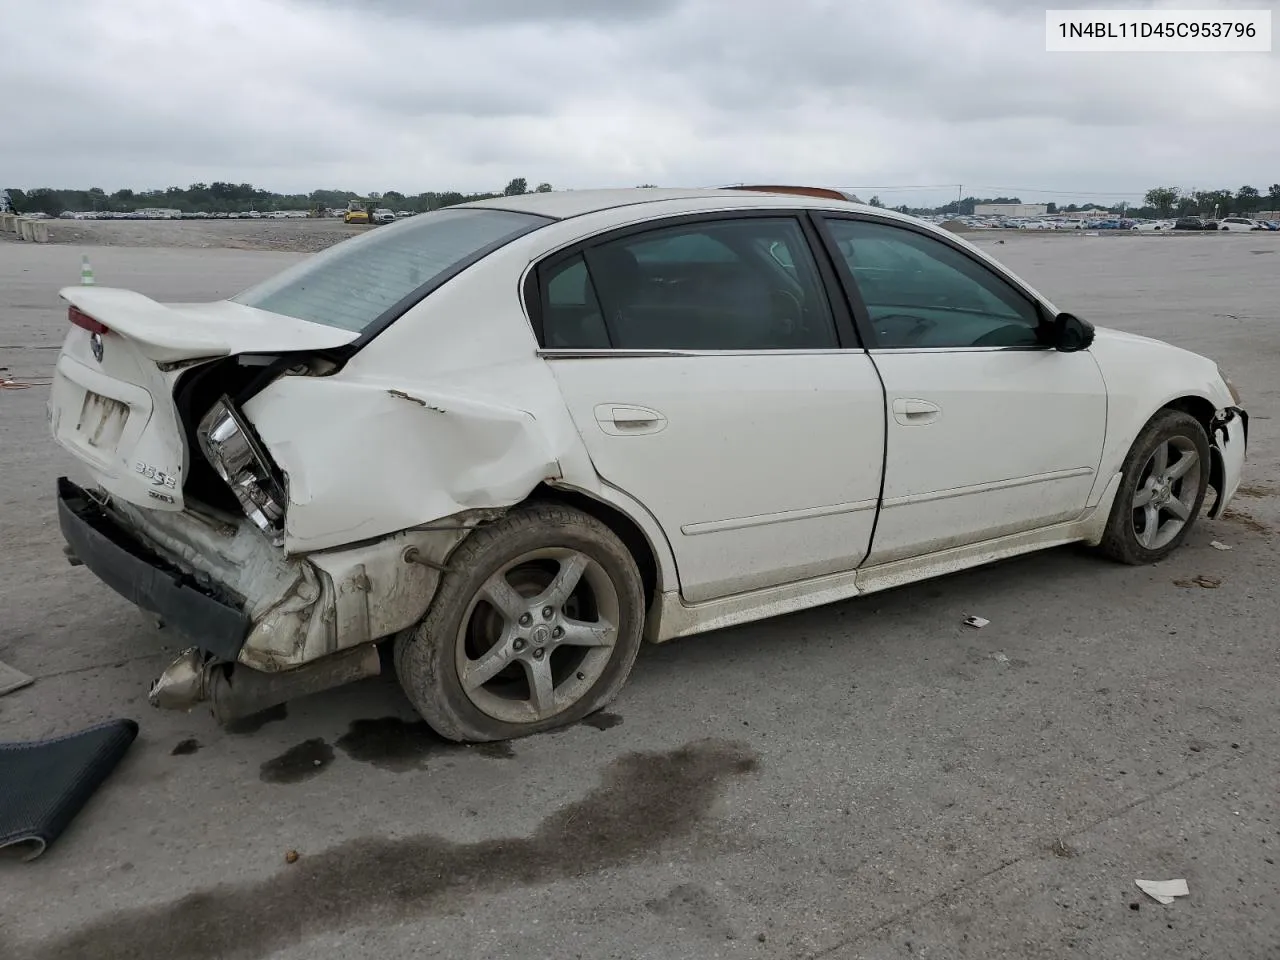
(353, 283)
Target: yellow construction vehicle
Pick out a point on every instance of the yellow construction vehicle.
(357, 212)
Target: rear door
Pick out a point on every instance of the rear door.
(712, 379)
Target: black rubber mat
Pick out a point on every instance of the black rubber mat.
(44, 784)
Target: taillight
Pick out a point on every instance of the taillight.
(83, 320)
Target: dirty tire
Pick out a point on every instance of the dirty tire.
(426, 656)
(1120, 540)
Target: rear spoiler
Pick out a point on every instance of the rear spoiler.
(170, 333)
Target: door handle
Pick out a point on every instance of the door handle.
(911, 412)
(624, 416)
(624, 420)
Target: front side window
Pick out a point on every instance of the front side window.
(748, 284)
(923, 293)
(352, 284)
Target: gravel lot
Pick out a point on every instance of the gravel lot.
(865, 780)
(298, 236)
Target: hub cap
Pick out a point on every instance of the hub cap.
(537, 635)
(1166, 493)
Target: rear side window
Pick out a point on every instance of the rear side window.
(352, 284)
(571, 315)
(723, 284)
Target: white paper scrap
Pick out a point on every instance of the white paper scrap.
(976, 622)
(1163, 890)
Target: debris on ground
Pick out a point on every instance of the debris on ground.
(47, 782)
(1000, 658)
(291, 856)
(1060, 849)
(978, 622)
(12, 679)
(1219, 545)
(1237, 516)
(1163, 891)
(1202, 580)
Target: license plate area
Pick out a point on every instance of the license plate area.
(101, 422)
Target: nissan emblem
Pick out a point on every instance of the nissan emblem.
(95, 344)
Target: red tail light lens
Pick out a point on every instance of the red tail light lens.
(82, 319)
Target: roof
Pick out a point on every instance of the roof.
(562, 204)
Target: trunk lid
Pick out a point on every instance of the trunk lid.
(111, 403)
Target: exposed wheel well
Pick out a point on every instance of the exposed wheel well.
(1200, 408)
(626, 529)
(1204, 411)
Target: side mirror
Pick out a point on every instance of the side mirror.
(1071, 334)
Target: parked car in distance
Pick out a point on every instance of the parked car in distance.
(383, 215)
(1189, 223)
(1152, 226)
(1238, 223)
(515, 437)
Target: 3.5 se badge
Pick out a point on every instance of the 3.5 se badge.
(157, 477)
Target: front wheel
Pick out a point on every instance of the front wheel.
(536, 625)
(1162, 489)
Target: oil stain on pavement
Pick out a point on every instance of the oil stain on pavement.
(391, 743)
(297, 763)
(256, 721)
(644, 801)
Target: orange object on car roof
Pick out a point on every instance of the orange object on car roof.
(828, 192)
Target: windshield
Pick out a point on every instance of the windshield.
(352, 284)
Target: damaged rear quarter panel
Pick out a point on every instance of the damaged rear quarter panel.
(365, 459)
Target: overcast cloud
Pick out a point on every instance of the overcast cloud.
(418, 95)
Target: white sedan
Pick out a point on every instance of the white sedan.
(517, 437)
(1239, 223)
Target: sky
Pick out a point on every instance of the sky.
(908, 99)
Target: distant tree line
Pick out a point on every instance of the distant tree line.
(1157, 202)
(220, 197)
(1168, 201)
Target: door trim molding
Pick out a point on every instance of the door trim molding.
(950, 492)
(764, 519)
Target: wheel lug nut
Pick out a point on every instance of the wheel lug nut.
(539, 653)
(558, 632)
(525, 619)
(518, 645)
(547, 613)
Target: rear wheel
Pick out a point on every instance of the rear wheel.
(536, 625)
(1161, 490)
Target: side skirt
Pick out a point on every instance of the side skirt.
(670, 617)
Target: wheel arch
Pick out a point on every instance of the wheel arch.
(1199, 407)
(657, 571)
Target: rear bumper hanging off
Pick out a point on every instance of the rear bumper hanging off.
(140, 576)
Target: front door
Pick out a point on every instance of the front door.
(704, 368)
(990, 431)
